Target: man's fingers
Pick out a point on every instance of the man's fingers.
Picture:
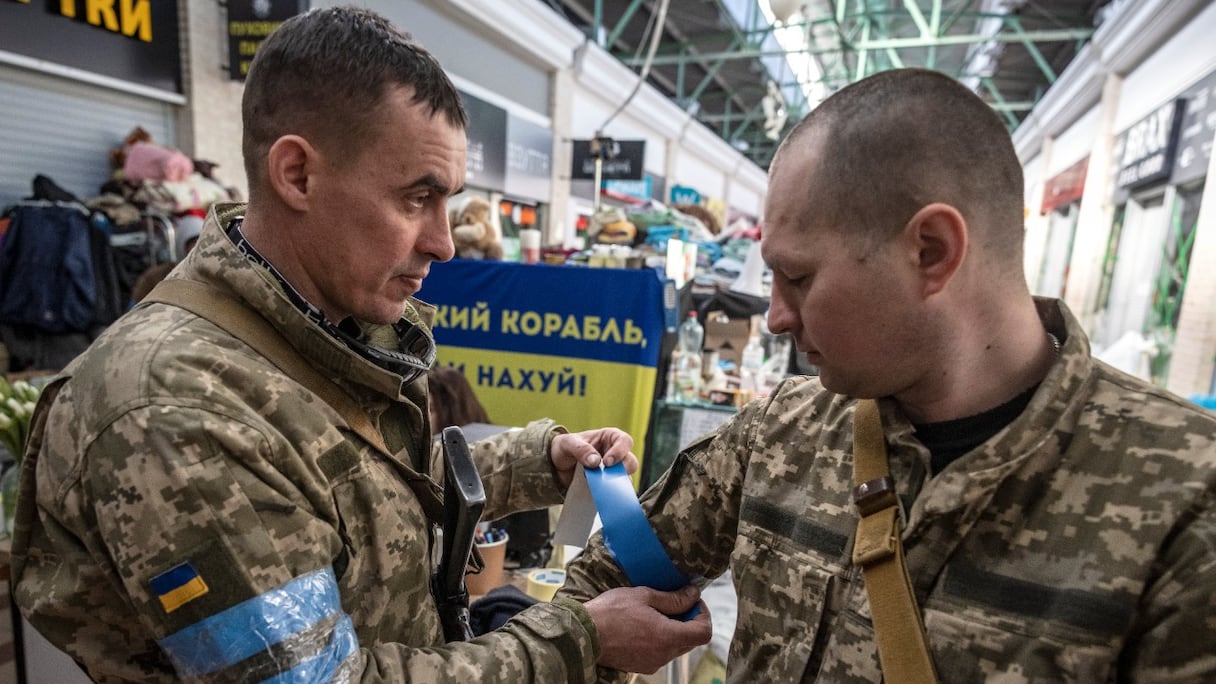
(631, 463)
(704, 629)
(577, 449)
(591, 458)
(675, 602)
(616, 446)
(636, 631)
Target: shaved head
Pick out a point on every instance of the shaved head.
(894, 142)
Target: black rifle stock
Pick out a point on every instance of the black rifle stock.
(463, 500)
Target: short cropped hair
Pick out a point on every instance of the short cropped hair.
(901, 139)
(322, 75)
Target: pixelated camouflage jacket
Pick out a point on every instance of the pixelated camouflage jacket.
(1076, 545)
(175, 442)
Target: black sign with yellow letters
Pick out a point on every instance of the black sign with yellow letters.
(133, 40)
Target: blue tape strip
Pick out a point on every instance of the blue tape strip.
(233, 635)
(628, 534)
(342, 644)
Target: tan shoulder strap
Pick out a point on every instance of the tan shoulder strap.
(251, 328)
(246, 325)
(902, 647)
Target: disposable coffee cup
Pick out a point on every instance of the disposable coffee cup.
(490, 577)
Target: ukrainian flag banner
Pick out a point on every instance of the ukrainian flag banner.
(579, 345)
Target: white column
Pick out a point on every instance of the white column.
(560, 230)
(1096, 211)
(209, 127)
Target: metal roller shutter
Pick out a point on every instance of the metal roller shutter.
(65, 129)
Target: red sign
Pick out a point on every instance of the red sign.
(1065, 186)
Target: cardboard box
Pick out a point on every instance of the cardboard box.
(729, 335)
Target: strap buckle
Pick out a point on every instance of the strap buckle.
(874, 495)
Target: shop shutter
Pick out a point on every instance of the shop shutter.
(65, 129)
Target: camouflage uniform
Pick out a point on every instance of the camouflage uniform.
(1076, 545)
(175, 443)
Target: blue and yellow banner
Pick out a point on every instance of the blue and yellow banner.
(579, 345)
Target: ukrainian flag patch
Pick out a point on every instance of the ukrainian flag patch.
(178, 586)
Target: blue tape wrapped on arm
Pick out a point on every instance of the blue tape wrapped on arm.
(629, 536)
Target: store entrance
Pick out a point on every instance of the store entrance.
(1137, 263)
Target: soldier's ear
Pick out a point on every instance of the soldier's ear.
(936, 238)
(291, 163)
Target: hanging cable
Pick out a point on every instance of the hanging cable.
(655, 37)
(643, 42)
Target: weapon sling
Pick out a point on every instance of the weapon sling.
(902, 648)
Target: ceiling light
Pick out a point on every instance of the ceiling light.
(784, 9)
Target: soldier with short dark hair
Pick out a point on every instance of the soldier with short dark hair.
(1058, 516)
(231, 484)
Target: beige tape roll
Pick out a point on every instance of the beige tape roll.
(544, 583)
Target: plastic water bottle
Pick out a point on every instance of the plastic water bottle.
(751, 365)
(688, 367)
(692, 335)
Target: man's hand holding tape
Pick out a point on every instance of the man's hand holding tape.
(590, 449)
(634, 625)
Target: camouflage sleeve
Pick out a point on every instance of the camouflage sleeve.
(1173, 638)
(693, 508)
(515, 468)
(205, 544)
(547, 642)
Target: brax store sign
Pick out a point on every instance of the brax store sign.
(130, 40)
(1146, 150)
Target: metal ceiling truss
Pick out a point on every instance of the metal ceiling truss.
(715, 63)
(866, 24)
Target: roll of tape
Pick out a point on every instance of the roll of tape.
(544, 583)
(628, 534)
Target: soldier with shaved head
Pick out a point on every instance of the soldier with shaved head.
(1058, 516)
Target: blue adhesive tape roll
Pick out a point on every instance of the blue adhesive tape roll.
(628, 534)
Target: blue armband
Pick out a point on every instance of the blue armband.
(302, 622)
